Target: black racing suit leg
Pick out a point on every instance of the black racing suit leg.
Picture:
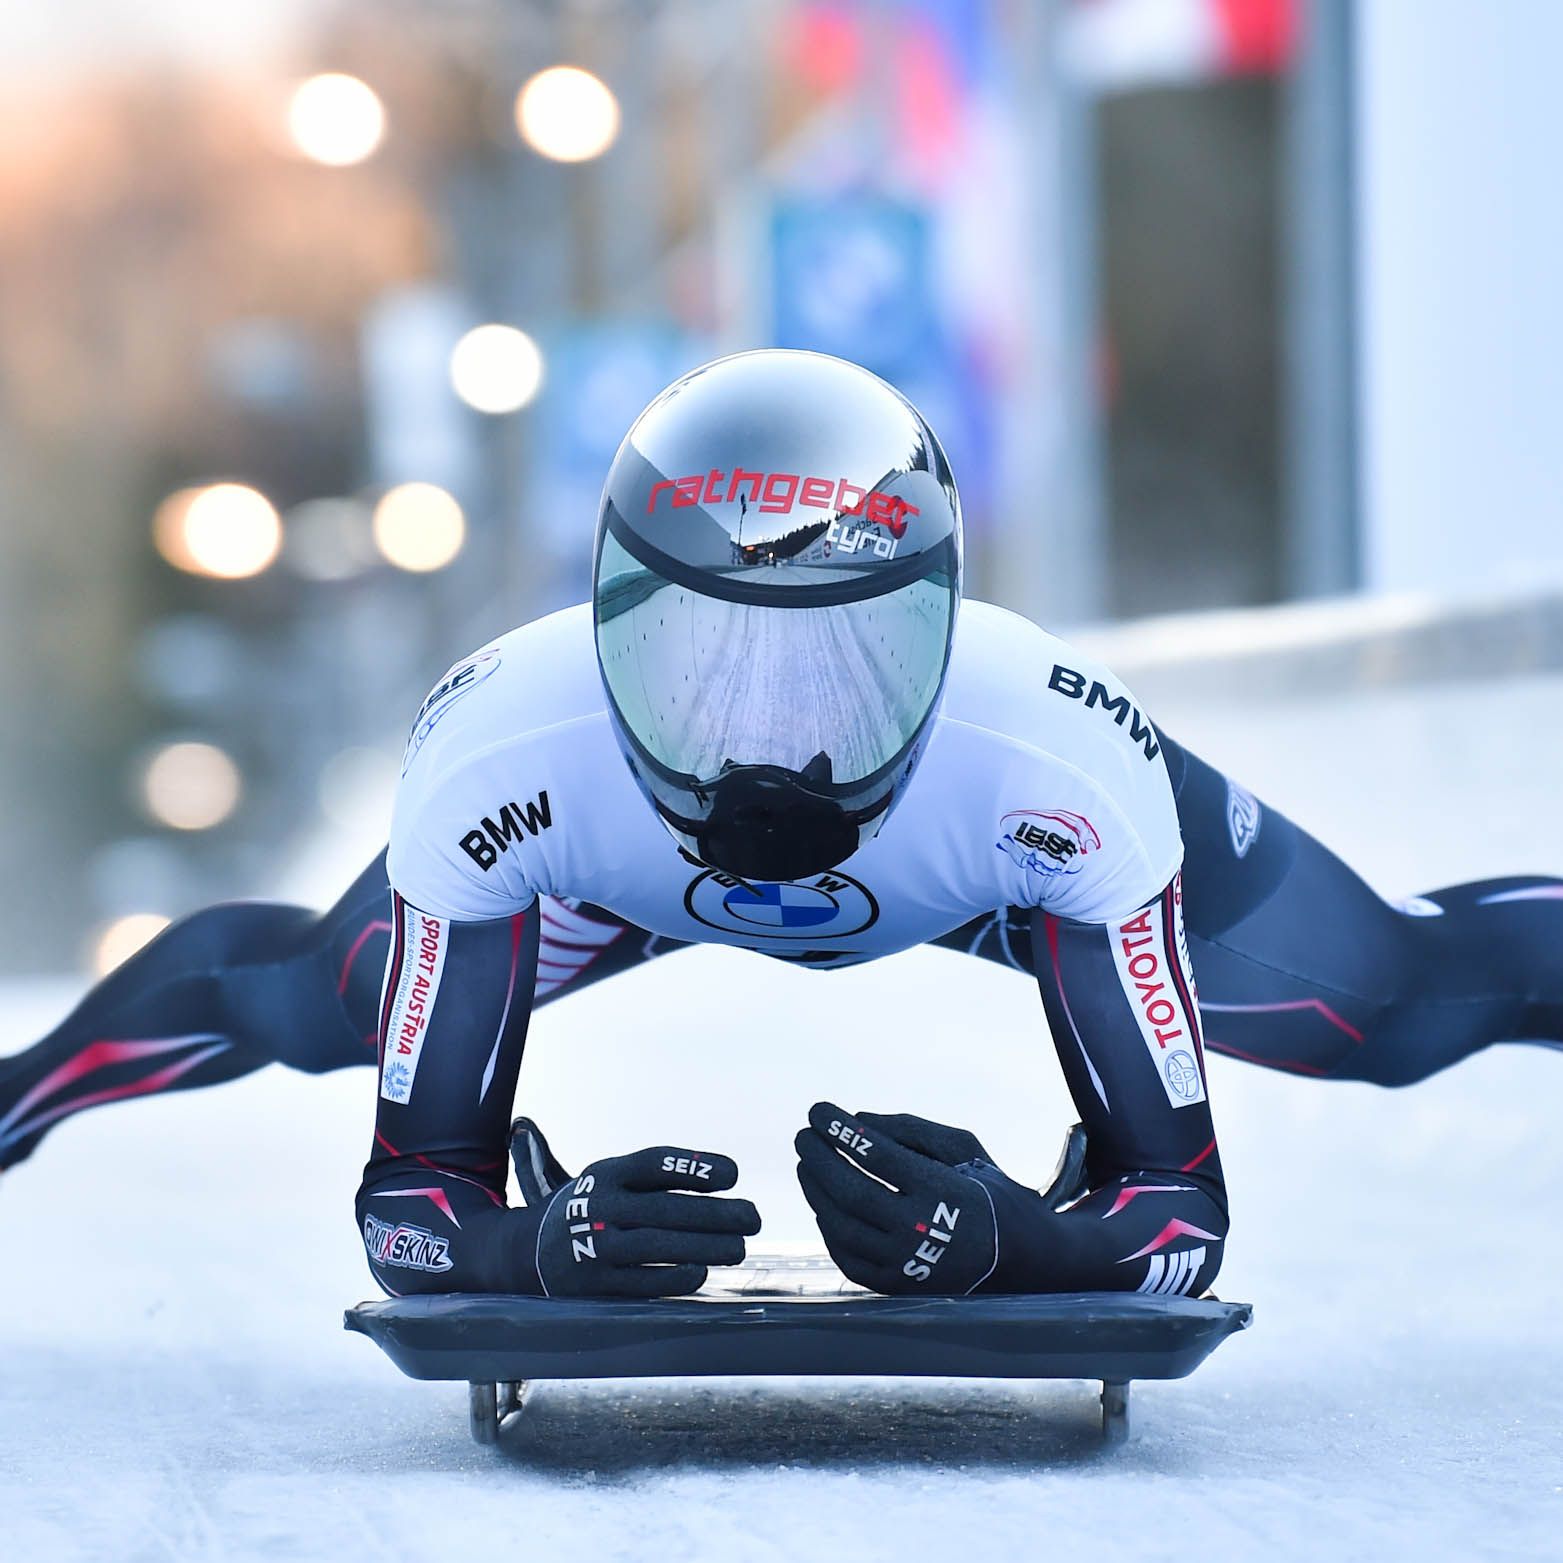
(215, 996)
(238, 986)
(1302, 967)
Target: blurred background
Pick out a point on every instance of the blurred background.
(320, 322)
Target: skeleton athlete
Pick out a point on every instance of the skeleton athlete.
(776, 726)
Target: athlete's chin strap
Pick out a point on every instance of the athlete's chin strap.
(768, 822)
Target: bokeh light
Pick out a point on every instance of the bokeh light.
(567, 114)
(168, 528)
(496, 369)
(335, 119)
(191, 786)
(228, 530)
(329, 539)
(419, 527)
(119, 940)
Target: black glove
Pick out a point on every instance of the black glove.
(951, 1223)
(620, 1230)
(617, 1230)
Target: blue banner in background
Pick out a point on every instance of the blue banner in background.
(855, 276)
(599, 378)
(964, 30)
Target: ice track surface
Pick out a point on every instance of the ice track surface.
(176, 1383)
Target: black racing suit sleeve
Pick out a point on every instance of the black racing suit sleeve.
(453, 1022)
(1123, 1009)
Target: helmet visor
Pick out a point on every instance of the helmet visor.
(700, 681)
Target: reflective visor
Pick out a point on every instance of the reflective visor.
(774, 673)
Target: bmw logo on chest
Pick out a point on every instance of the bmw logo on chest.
(829, 906)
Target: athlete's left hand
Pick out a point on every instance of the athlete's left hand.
(906, 1205)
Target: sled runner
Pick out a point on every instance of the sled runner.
(787, 1315)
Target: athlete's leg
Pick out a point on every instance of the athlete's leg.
(1302, 967)
(213, 997)
(1002, 936)
(235, 987)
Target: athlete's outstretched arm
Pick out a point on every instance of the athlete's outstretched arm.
(431, 1208)
(1138, 1202)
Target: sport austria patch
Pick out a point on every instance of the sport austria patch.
(420, 961)
(1244, 817)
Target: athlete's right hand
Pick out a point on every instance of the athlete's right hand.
(643, 1225)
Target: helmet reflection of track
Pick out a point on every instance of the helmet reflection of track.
(744, 682)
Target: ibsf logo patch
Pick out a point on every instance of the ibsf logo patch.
(459, 680)
(1047, 842)
(830, 906)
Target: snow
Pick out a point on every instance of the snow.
(175, 1383)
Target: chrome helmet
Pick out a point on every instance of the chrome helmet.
(775, 584)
